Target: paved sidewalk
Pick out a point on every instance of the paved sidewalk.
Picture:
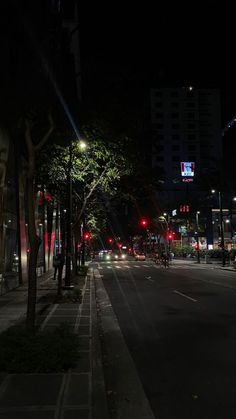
(79, 393)
(14, 303)
(203, 264)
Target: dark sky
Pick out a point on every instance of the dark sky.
(162, 43)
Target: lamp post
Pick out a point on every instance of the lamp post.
(165, 218)
(82, 145)
(198, 248)
(222, 239)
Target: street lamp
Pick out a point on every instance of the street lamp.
(165, 218)
(222, 239)
(198, 247)
(82, 145)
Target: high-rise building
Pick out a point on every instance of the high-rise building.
(186, 127)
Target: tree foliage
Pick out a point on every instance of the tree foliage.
(96, 171)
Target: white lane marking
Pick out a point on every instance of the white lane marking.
(137, 266)
(184, 295)
(146, 266)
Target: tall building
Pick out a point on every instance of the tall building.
(186, 127)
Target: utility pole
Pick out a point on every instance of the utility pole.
(198, 248)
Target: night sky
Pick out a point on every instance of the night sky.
(161, 44)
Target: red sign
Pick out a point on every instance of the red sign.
(184, 208)
(187, 179)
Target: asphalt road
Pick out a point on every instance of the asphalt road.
(180, 327)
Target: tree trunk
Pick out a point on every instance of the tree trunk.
(34, 242)
(32, 285)
(62, 251)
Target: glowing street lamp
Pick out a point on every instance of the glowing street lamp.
(82, 146)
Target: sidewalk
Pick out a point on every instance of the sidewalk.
(203, 264)
(80, 393)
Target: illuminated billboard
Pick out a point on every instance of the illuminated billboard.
(187, 168)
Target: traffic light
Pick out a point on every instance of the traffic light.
(110, 240)
(143, 222)
(170, 236)
(86, 236)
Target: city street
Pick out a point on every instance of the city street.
(179, 325)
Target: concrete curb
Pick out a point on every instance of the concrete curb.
(99, 402)
(128, 397)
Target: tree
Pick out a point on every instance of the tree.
(34, 241)
(95, 174)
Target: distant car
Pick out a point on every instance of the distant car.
(105, 255)
(118, 256)
(140, 256)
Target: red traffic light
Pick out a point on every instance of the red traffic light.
(110, 240)
(144, 222)
(86, 235)
(170, 236)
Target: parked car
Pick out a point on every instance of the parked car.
(140, 256)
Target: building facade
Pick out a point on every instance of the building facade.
(186, 127)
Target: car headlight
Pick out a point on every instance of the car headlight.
(123, 256)
(107, 257)
(116, 256)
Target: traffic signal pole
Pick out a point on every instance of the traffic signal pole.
(198, 248)
(222, 230)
